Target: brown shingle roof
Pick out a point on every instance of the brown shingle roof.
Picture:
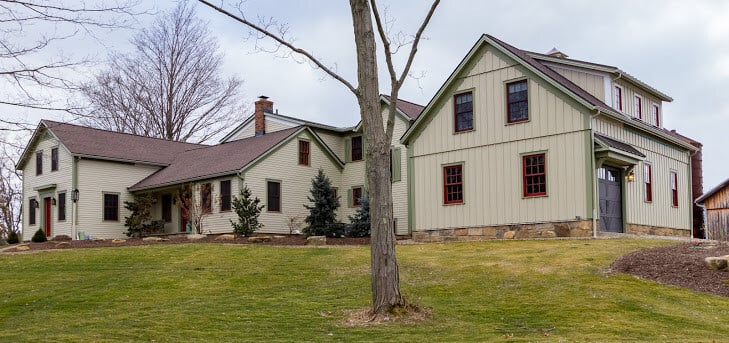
(86, 141)
(216, 160)
(411, 109)
(616, 144)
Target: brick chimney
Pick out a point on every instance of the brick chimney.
(263, 105)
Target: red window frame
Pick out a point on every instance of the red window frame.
(638, 107)
(619, 98)
(534, 171)
(356, 152)
(517, 97)
(648, 182)
(356, 196)
(453, 184)
(674, 188)
(304, 153)
(657, 115)
(462, 112)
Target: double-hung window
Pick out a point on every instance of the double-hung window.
(656, 115)
(357, 196)
(356, 153)
(273, 196)
(674, 188)
(463, 111)
(54, 159)
(111, 207)
(517, 101)
(534, 171)
(453, 184)
(648, 181)
(61, 206)
(638, 107)
(618, 93)
(39, 162)
(225, 195)
(303, 153)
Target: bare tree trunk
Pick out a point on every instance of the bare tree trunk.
(384, 270)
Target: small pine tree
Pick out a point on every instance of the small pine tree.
(360, 223)
(248, 211)
(13, 237)
(322, 218)
(39, 236)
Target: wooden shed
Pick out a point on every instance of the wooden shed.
(716, 203)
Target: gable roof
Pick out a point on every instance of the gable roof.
(293, 121)
(109, 145)
(410, 109)
(216, 160)
(702, 198)
(616, 144)
(552, 77)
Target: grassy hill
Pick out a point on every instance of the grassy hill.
(516, 291)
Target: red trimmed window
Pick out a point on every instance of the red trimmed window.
(39, 162)
(535, 175)
(357, 196)
(463, 111)
(656, 115)
(274, 196)
(638, 107)
(111, 207)
(304, 153)
(674, 189)
(517, 101)
(54, 159)
(648, 180)
(618, 98)
(453, 184)
(357, 148)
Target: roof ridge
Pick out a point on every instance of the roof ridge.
(403, 100)
(118, 132)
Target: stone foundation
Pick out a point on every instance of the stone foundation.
(642, 230)
(579, 228)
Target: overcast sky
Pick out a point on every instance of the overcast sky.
(678, 47)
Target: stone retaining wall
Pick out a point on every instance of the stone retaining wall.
(581, 228)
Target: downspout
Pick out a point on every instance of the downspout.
(595, 199)
(690, 192)
(74, 206)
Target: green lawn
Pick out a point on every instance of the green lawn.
(477, 291)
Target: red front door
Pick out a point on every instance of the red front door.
(47, 211)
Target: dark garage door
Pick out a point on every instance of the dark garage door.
(611, 204)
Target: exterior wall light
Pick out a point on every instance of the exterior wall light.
(74, 195)
(630, 177)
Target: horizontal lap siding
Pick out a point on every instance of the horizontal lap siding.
(219, 221)
(63, 180)
(492, 153)
(95, 177)
(334, 141)
(663, 159)
(295, 180)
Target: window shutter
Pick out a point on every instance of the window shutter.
(349, 198)
(347, 150)
(396, 168)
(364, 148)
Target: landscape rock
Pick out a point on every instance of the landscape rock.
(194, 236)
(316, 240)
(153, 239)
(225, 237)
(61, 238)
(63, 245)
(717, 263)
(118, 241)
(259, 239)
(22, 248)
(509, 234)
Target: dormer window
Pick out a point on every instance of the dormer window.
(638, 112)
(656, 115)
(618, 93)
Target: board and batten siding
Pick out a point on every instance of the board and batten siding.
(62, 178)
(282, 165)
(629, 92)
(591, 82)
(663, 158)
(492, 153)
(96, 177)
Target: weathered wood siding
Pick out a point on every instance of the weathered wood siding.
(491, 153)
(63, 180)
(96, 177)
(717, 215)
(663, 158)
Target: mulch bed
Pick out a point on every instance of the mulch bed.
(679, 265)
(293, 240)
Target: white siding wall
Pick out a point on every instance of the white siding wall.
(295, 180)
(62, 178)
(334, 141)
(353, 175)
(96, 177)
(399, 188)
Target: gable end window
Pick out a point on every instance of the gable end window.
(54, 159)
(453, 184)
(225, 195)
(356, 148)
(648, 181)
(39, 162)
(638, 107)
(674, 188)
(206, 197)
(273, 202)
(517, 101)
(463, 111)
(303, 153)
(61, 207)
(618, 98)
(111, 207)
(534, 169)
(656, 115)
